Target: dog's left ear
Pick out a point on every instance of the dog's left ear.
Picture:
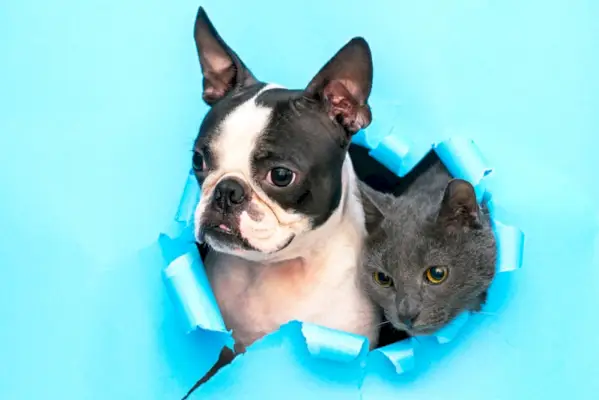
(343, 86)
(222, 68)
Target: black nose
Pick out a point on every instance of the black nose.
(229, 193)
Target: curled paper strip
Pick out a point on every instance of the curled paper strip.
(380, 127)
(190, 291)
(189, 200)
(399, 354)
(332, 344)
(510, 244)
(387, 141)
(397, 154)
(184, 275)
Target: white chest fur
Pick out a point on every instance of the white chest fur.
(323, 289)
(320, 286)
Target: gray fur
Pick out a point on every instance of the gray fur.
(436, 222)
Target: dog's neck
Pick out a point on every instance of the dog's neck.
(347, 220)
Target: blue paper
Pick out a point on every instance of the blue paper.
(450, 331)
(100, 102)
(332, 344)
(184, 275)
(510, 241)
(191, 293)
(399, 354)
(188, 285)
(397, 154)
(189, 200)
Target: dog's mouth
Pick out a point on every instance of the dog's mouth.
(222, 236)
(287, 243)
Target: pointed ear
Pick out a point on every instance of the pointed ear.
(373, 216)
(459, 208)
(344, 84)
(223, 70)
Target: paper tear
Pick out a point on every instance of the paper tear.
(189, 200)
(397, 154)
(189, 289)
(400, 355)
(192, 295)
(332, 344)
(510, 244)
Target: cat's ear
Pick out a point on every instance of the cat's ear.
(222, 69)
(343, 86)
(373, 216)
(459, 208)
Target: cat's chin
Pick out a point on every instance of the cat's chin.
(424, 330)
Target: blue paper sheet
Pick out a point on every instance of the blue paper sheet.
(99, 106)
(191, 293)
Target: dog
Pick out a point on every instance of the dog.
(280, 209)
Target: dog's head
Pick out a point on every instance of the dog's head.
(269, 159)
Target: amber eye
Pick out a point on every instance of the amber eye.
(436, 275)
(197, 162)
(382, 279)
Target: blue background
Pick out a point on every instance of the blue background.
(100, 102)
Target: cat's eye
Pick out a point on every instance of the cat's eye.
(382, 279)
(436, 275)
(197, 162)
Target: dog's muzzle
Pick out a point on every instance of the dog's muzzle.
(229, 195)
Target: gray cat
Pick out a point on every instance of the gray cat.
(430, 252)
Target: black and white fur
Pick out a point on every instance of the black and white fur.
(282, 253)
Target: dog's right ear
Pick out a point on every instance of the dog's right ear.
(223, 70)
(344, 84)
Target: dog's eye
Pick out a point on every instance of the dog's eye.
(280, 176)
(436, 275)
(197, 162)
(382, 279)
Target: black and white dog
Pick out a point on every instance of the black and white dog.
(280, 208)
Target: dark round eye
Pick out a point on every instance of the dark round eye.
(197, 162)
(382, 279)
(280, 176)
(436, 275)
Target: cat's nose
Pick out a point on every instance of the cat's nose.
(408, 311)
(408, 320)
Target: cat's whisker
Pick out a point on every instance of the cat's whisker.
(485, 313)
(382, 324)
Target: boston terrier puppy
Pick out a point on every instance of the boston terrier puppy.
(280, 209)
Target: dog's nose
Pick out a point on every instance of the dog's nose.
(229, 193)
(408, 311)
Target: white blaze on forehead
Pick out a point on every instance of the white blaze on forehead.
(238, 134)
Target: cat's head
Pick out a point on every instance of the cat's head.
(425, 268)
